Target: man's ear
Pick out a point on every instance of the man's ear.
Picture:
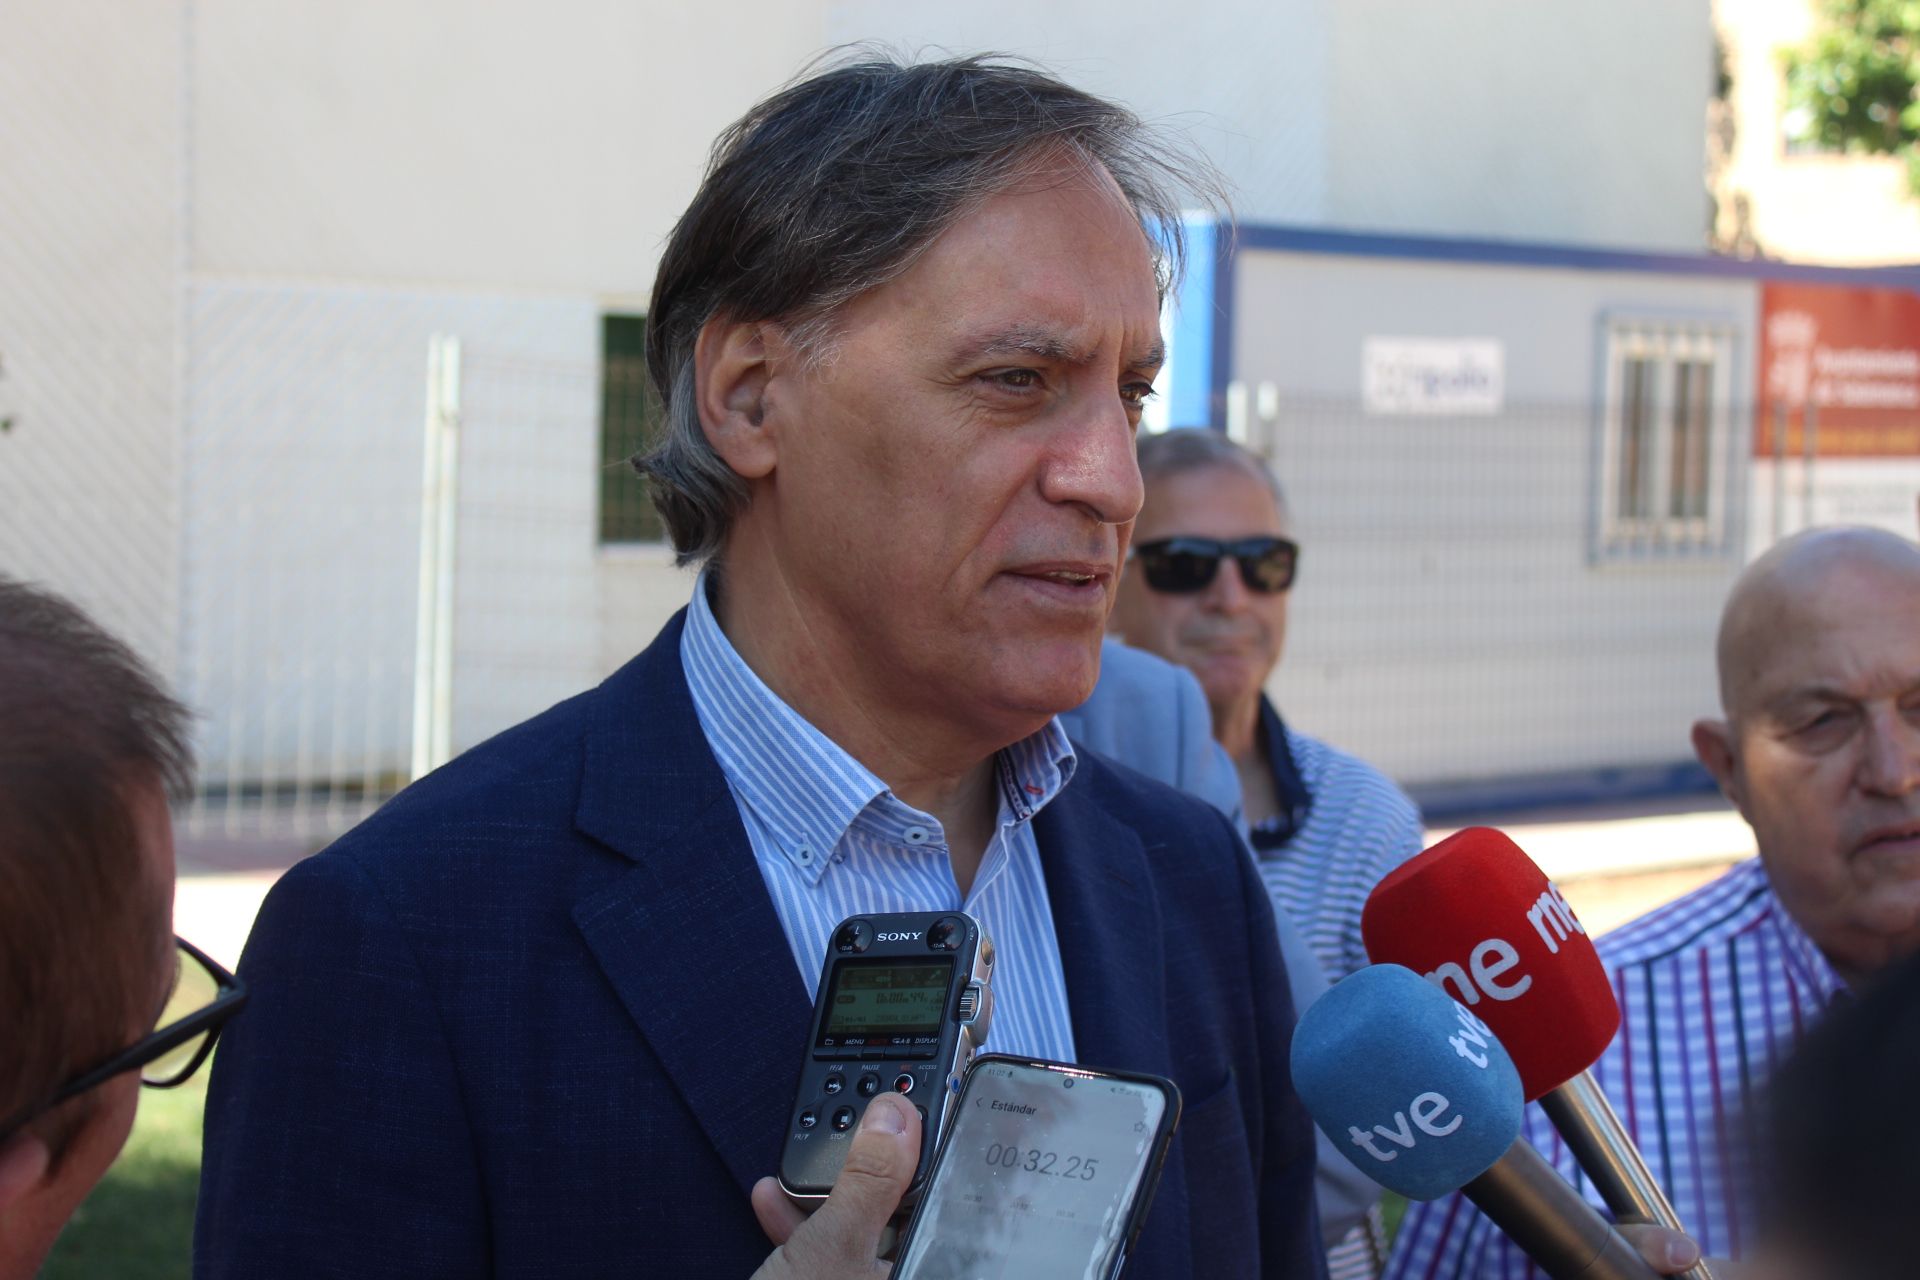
(1713, 742)
(23, 1164)
(733, 365)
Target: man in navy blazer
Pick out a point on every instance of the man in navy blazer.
(542, 1015)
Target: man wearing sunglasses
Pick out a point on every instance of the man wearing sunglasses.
(1207, 586)
(97, 996)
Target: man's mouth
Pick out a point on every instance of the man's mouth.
(1895, 834)
(1067, 573)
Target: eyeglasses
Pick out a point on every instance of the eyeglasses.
(1182, 566)
(204, 998)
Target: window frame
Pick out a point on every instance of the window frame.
(1667, 342)
(613, 474)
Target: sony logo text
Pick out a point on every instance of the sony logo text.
(896, 937)
(1492, 960)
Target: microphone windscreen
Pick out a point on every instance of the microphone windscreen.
(1484, 924)
(1409, 1085)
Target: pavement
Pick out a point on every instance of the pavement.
(1613, 861)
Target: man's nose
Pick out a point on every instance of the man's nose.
(1891, 765)
(1094, 465)
(1227, 592)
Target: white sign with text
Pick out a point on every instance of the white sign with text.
(1462, 376)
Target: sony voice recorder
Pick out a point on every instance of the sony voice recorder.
(903, 1005)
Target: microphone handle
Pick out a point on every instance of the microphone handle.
(1592, 1131)
(1565, 1236)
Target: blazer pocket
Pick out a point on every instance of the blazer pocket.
(1222, 1190)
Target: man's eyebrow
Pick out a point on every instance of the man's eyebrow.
(1800, 696)
(1050, 344)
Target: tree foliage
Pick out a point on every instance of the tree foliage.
(1852, 86)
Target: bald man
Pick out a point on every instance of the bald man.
(1819, 750)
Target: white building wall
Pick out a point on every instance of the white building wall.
(1560, 122)
(1248, 84)
(89, 237)
(499, 146)
(1557, 121)
(364, 176)
(302, 538)
(1450, 622)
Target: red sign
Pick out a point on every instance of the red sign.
(1843, 363)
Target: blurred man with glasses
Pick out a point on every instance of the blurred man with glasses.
(1325, 826)
(1206, 586)
(96, 994)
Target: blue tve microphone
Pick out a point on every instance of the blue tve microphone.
(1423, 1098)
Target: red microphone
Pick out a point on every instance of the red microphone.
(1477, 918)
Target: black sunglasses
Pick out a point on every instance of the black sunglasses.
(204, 998)
(1181, 566)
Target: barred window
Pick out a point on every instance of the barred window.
(629, 422)
(1665, 437)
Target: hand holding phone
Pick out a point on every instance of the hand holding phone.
(1046, 1171)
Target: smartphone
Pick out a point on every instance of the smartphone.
(1046, 1171)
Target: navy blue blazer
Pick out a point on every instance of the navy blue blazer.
(537, 1017)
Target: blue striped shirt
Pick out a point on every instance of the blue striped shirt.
(832, 841)
(1715, 988)
(1359, 826)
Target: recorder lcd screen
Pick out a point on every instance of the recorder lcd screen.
(888, 998)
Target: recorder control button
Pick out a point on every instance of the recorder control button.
(833, 1084)
(920, 1051)
(868, 1086)
(947, 934)
(903, 1083)
(809, 1118)
(843, 1120)
(876, 1055)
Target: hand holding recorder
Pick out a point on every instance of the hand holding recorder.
(842, 1240)
(904, 1003)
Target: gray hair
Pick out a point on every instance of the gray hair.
(1184, 449)
(836, 185)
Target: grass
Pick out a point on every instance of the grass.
(138, 1223)
(1392, 1209)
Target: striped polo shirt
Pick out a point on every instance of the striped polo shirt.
(833, 841)
(1357, 827)
(1715, 989)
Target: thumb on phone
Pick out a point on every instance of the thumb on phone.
(842, 1238)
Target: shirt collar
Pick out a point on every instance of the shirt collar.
(800, 784)
(1803, 955)
(1271, 837)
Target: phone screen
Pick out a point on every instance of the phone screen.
(1038, 1175)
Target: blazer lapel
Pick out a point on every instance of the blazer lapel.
(688, 936)
(1107, 921)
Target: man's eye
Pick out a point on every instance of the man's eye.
(1825, 726)
(1138, 393)
(1017, 379)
